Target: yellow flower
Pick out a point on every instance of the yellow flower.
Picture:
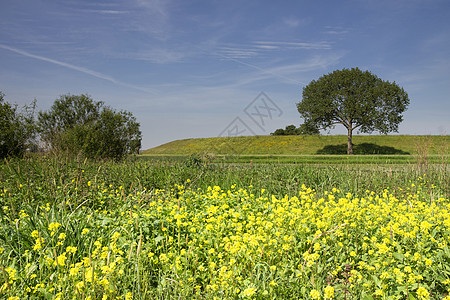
(11, 273)
(61, 260)
(71, 249)
(84, 231)
(422, 293)
(248, 292)
(314, 294)
(53, 226)
(128, 296)
(74, 271)
(329, 292)
(79, 285)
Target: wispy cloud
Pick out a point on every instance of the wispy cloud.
(152, 18)
(74, 67)
(291, 72)
(237, 52)
(154, 55)
(257, 48)
(335, 30)
(291, 22)
(295, 45)
(106, 11)
(266, 71)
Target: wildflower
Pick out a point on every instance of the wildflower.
(74, 271)
(329, 292)
(61, 260)
(53, 226)
(79, 285)
(314, 294)
(316, 246)
(71, 249)
(128, 296)
(163, 257)
(422, 293)
(84, 231)
(11, 273)
(248, 292)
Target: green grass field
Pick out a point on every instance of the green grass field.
(307, 145)
(191, 227)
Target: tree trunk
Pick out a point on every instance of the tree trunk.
(349, 141)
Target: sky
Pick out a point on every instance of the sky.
(194, 69)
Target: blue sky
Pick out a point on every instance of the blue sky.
(197, 68)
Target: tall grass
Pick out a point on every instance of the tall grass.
(47, 179)
(90, 230)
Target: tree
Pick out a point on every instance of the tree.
(78, 125)
(17, 128)
(304, 129)
(355, 99)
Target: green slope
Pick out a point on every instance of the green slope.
(306, 145)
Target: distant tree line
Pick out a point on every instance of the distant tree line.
(303, 129)
(74, 126)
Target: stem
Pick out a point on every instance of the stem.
(349, 140)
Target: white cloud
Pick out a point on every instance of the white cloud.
(292, 22)
(74, 67)
(296, 45)
(336, 30)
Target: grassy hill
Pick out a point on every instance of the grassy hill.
(307, 145)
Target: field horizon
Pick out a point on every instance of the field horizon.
(307, 145)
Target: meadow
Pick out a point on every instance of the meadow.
(295, 145)
(195, 228)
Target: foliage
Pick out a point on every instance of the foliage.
(356, 99)
(364, 148)
(289, 130)
(304, 129)
(17, 129)
(90, 230)
(79, 125)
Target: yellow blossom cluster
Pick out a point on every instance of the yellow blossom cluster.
(236, 243)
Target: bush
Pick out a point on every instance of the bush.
(78, 125)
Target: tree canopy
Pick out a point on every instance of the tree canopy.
(356, 99)
(78, 125)
(303, 129)
(16, 128)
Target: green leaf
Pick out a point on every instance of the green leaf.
(158, 239)
(398, 256)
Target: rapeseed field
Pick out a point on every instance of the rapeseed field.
(102, 241)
